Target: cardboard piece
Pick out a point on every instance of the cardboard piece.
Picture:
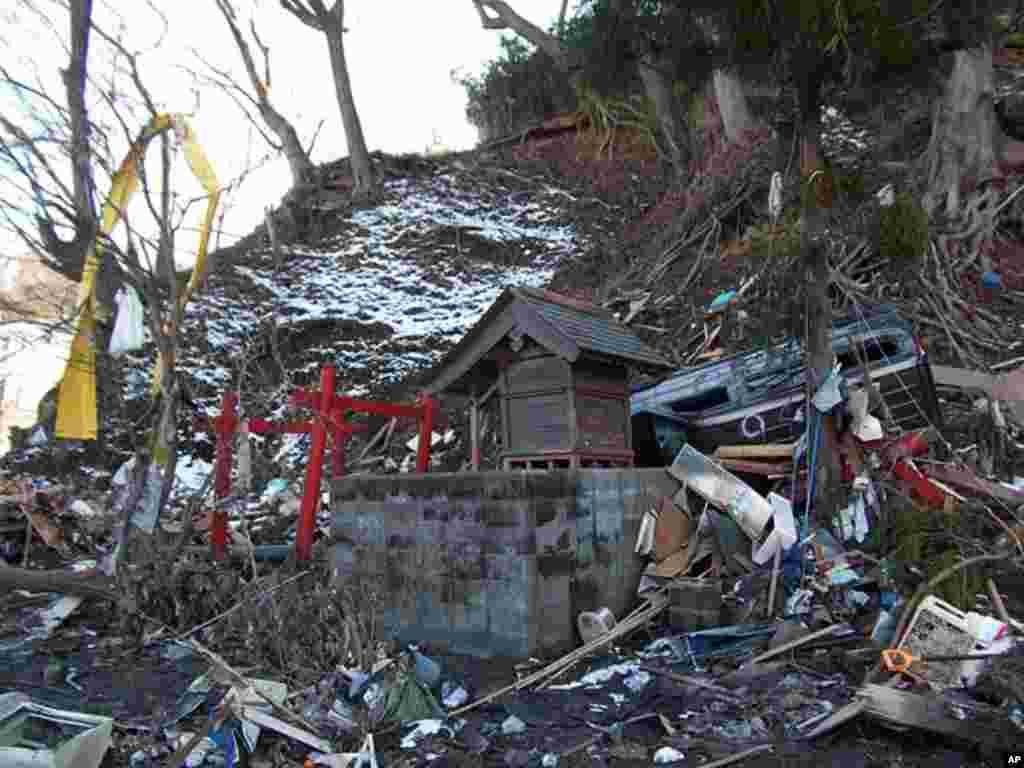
(672, 532)
(671, 566)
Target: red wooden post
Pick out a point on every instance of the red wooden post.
(314, 468)
(426, 433)
(225, 426)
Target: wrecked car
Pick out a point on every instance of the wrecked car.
(758, 397)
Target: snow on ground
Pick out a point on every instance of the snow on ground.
(370, 277)
(401, 282)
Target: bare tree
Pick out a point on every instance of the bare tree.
(966, 140)
(36, 143)
(68, 257)
(287, 137)
(331, 22)
(504, 17)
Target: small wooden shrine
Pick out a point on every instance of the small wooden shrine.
(561, 369)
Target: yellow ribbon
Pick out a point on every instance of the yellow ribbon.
(76, 404)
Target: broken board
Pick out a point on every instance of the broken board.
(974, 722)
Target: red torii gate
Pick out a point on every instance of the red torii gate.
(330, 411)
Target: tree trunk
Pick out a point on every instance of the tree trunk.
(67, 258)
(75, 77)
(817, 200)
(298, 160)
(671, 121)
(294, 152)
(738, 123)
(506, 18)
(62, 582)
(359, 157)
(966, 139)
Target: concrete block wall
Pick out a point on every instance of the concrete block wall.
(495, 563)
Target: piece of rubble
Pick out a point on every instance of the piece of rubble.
(667, 755)
(79, 740)
(951, 716)
(749, 509)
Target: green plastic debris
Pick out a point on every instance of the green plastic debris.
(409, 700)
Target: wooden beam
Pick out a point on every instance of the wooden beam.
(759, 452)
(959, 378)
(474, 435)
(63, 582)
(785, 647)
(482, 400)
(841, 716)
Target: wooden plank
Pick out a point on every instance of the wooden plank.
(982, 724)
(962, 478)
(715, 690)
(795, 644)
(265, 720)
(758, 468)
(731, 759)
(959, 378)
(840, 717)
(771, 451)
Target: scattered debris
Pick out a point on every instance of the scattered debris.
(34, 735)
(761, 620)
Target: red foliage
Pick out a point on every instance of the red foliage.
(968, 184)
(1008, 260)
(580, 156)
(719, 158)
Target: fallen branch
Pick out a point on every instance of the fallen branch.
(64, 583)
(240, 680)
(657, 602)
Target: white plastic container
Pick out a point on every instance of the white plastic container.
(941, 629)
(595, 624)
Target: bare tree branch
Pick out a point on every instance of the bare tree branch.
(298, 159)
(299, 10)
(332, 24)
(506, 18)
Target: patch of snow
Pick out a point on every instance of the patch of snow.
(378, 273)
(599, 676)
(422, 728)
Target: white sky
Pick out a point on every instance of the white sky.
(400, 54)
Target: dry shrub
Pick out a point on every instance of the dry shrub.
(306, 629)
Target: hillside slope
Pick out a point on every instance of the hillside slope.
(382, 292)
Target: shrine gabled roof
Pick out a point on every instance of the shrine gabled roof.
(563, 325)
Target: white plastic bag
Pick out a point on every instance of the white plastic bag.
(129, 331)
